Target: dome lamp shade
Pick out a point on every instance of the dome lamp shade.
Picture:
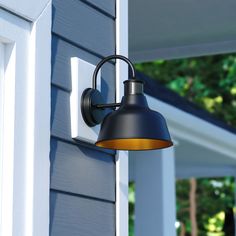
(133, 126)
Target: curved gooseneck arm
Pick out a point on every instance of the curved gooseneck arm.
(92, 107)
(99, 65)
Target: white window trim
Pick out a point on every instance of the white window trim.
(7, 124)
(26, 134)
(2, 55)
(122, 179)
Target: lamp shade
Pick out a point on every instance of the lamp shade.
(134, 126)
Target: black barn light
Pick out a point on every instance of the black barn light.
(133, 126)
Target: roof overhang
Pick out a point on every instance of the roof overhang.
(184, 28)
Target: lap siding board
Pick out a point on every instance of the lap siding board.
(82, 196)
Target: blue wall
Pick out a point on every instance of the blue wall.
(82, 194)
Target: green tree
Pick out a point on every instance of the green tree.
(131, 208)
(208, 81)
(214, 195)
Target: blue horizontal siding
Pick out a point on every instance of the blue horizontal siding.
(81, 170)
(107, 7)
(84, 26)
(82, 196)
(72, 216)
(62, 52)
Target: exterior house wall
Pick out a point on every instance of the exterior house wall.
(82, 190)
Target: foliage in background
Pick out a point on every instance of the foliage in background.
(131, 208)
(209, 82)
(214, 197)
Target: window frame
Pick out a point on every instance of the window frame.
(25, 172)
(2, 55)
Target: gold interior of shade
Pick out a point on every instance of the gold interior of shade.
(134, 144)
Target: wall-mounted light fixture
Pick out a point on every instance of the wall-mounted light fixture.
(133, 126)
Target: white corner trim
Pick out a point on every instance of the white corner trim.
(122, 178)
(189, 127)
(122, 193)
(28, 9)
(26, 116)
(39, 119)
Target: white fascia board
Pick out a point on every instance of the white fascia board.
(193, 129)
(186, 51)
(28, 9)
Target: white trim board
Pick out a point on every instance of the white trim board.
(186, 51)
(10, 30)
(122, 179)
(188, 127)
(2, 72)
(186, 172)
(26, 117)
(30, 10)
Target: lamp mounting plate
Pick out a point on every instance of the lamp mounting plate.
(81, 79)
(91, 114)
